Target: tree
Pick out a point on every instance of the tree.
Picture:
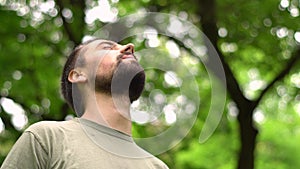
(256, 41)
(248, 131)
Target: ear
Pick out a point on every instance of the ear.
(76, 77)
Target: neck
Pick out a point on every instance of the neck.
(113, 113)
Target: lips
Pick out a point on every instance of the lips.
(126, 55)
(130, 56)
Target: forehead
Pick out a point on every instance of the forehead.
(95, 45)
(98, 43)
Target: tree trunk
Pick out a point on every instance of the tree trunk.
(248, 135)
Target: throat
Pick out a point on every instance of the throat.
(111, 113)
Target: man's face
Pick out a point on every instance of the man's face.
(114, 68)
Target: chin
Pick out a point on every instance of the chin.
(128, 79)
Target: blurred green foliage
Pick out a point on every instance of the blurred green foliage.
(256, 37)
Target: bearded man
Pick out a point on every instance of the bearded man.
(100, 80)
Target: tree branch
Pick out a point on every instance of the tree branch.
(207, 14)
(66, 25)
(293, 60)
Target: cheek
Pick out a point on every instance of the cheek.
(107, 66)
(103, 64)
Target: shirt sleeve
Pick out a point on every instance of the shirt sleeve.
(27, 153)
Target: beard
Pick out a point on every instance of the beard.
(127, 79)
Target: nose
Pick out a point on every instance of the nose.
(127, 48)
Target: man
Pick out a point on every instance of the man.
(100, 80)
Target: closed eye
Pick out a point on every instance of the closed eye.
(107, 47)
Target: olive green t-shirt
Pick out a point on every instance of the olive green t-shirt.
(77, 144)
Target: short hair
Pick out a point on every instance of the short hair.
(69, 90)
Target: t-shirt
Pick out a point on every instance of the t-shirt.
(77, 144)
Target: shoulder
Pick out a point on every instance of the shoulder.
(159, 164)
(44, 125)
(50, 133)
(154, 162)
(43, 128)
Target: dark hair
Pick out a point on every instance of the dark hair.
(68, 89)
